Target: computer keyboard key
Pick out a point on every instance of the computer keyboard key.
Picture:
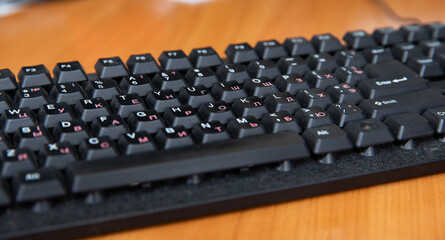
(321, 79)
(228, 91)
(207, 132)
(405, 51)
(112, 126)
(414, 33)
(142, 64)
(149, 121)
(201, 76)
(135, 143)
(314, 97)
(123, 105)
(69, 93)
(322, 61)
(216, 111)
(326, 43)
(15, 160)
(33, 76)
(88, 109)
(282, 101)
(5, 101)
(408, 125)
(313, 117)
(111, 67)
(31, 137)
(343, 113)
(173, 80)
(289, 65)
(161, 100)
(291, 83)
(359, 39)
(68, 72)
(173, 137)
(350, 58)
(15, 118)
(57, 155)
(73, 132)
(4, 142)
(432, 47)
(174, 60)
(50, 114)
(280, 122)
(140, 84)
(417, 102)
(97, 148)
(441, 59)
(368, 132)
(436, 116)
(345, 93)
(195, 96)
(351, 75)
(260, 87)
(436, 30)
(263, 68)
(388, 36)
(7, 80)
(241, 53)
(4, 196)
(249, 106)
(392, 68)
(426, 67)
(181, 116)
(326, 139)
(38, 184)
(378, 54)
(232, 72)
(270, 49)
(31, 97)
(245, 127)
(387, 86)
(104, 88)
(298, 46)
(204, 57)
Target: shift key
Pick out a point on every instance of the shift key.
(417, 102)
(387, 86)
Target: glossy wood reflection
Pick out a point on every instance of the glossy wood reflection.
(85, 30)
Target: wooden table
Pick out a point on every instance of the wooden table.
(85, 30)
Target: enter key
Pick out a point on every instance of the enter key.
(387, 86)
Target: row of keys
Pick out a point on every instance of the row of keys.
(237, 53)
(421, 61)
(167, 101)
(248, 110)
(71, 93)
(324, 139)
(320, 139)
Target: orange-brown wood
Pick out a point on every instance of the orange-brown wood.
(85, 30)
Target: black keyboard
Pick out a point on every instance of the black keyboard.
(141, 143)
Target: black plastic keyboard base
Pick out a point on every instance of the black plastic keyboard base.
(261, 185)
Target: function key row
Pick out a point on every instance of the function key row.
(237, 53)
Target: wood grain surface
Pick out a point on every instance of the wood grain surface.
(85, 30)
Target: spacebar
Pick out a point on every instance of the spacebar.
(198, 159)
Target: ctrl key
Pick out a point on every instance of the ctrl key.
(37, 185)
